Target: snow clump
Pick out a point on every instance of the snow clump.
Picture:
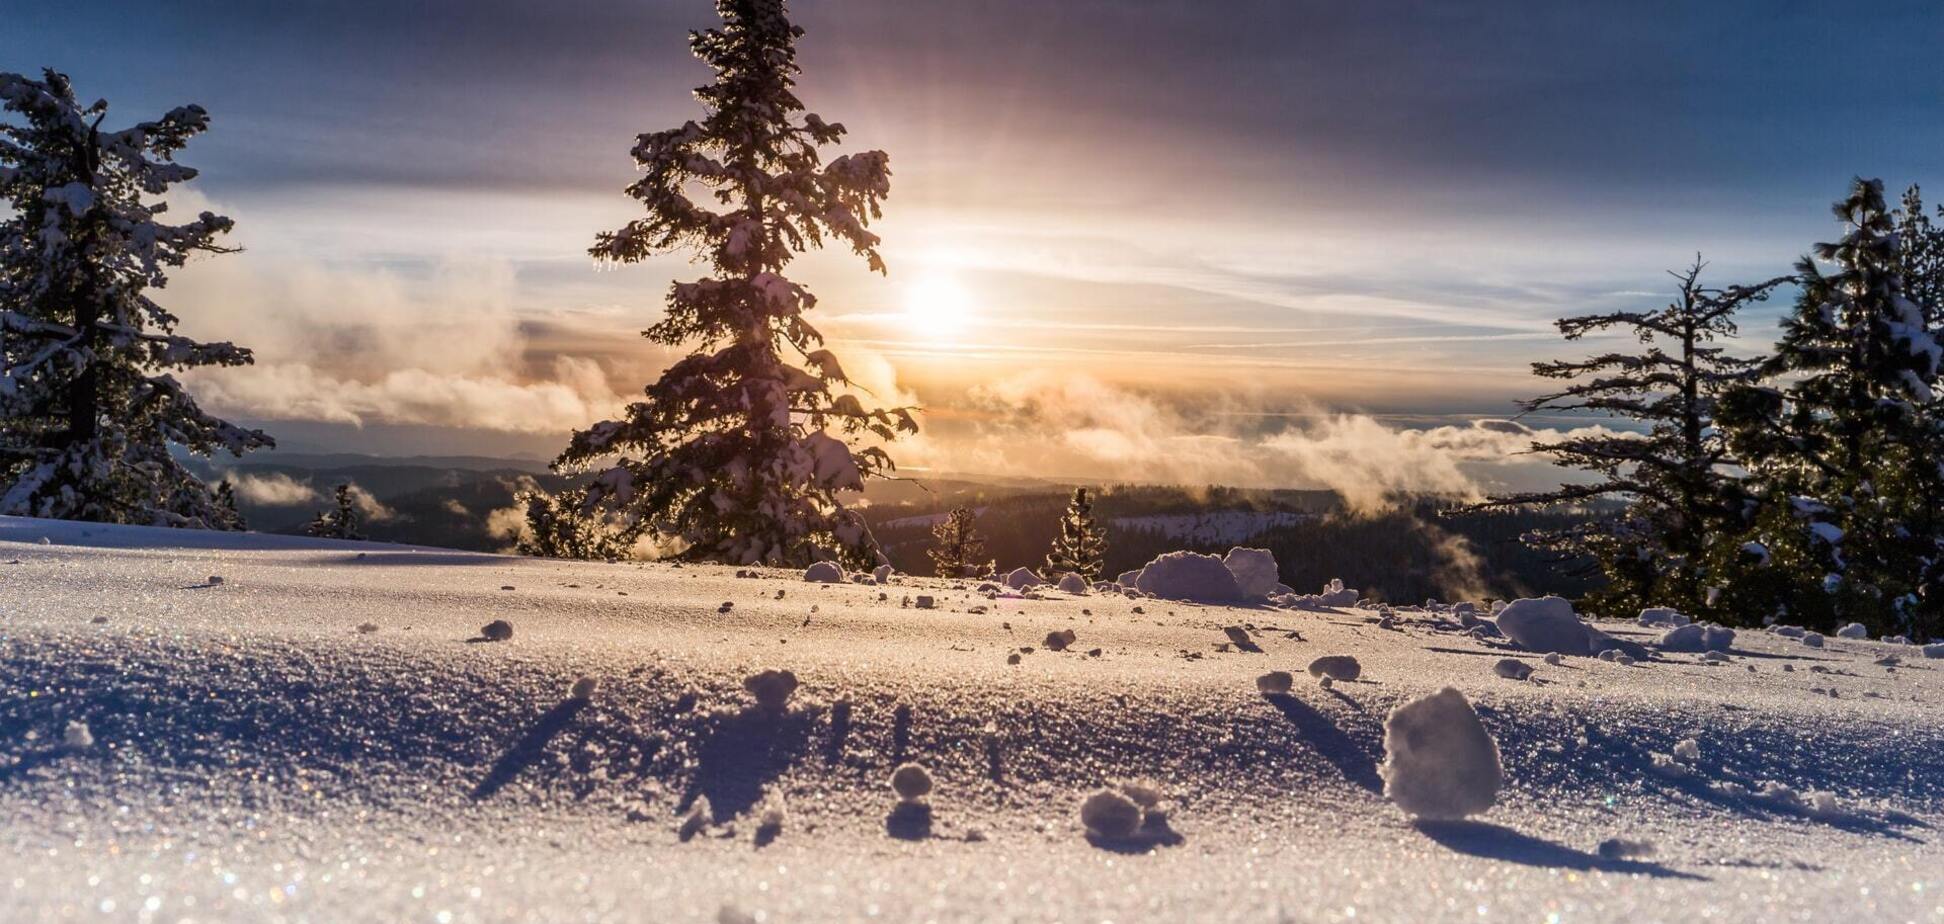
(1110, 815)
(1071, 583)
(499, 630)
(1620, 848)
(824, 572)
(1853, 630)
(1254, 571)
(1545, 624)
(1022, 578)
(1336, 667)
(911, 783)
(1189, 576)
(1275, 682)
(1662, 616)
(882, 574)
(1812, 639)
(771, 689)
(1512, 669)
(583, 688)
(78, 736)
(1698, 638)
(1439, 761)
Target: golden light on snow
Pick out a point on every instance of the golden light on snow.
(937, 306)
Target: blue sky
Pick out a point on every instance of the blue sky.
(1251, 211)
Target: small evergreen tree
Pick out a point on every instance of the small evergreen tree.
(1842, 438)
(341, 522)
(1081, 544)
(1673, 478)
(231, 517)
(731, 455)
(959, 551)
(88, 409)
(561, 526)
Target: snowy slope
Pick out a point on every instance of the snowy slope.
(256, 756)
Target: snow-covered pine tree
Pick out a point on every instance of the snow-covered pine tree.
(560, 525)
(1920, 248)
(90, 410)
(1081, 545)
(730, 455)
(1672, 478)
(1842, 437)
(959, 551)
(340, 522)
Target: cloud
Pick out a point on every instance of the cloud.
(371, 508)
(272, 490)
(1074, 426)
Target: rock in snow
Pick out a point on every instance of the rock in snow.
(911, 783)
(1189, 576)
(1545, 624)
(1254, 571)
(1853, 630)
(1022, 578)
(1336, 667)
(824, 572)
(1439, 761)
(1275, 682)
(1071, 583)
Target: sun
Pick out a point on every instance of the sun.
(937, 306)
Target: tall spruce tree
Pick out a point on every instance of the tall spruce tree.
(89, 408)
(340, 522)
(958, 550)
(730, 454)
(1081, 544)
(1673, 477)
(1842, 439)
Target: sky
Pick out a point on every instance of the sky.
(1277, 243)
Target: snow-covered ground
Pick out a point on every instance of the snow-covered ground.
(252, 751)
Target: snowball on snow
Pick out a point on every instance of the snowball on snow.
(1687, 749)
(78, 735)
(1275, 682)
(1110, 815)
(1853, 630)
(911, 783)
(1189, 576)
(1022, 578)
(1545, 624)
(1071, 583)
(824, 572)
(1812, 639)
(1336, 667)
(881, 574)
(1439, 761)
(1254, 571)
